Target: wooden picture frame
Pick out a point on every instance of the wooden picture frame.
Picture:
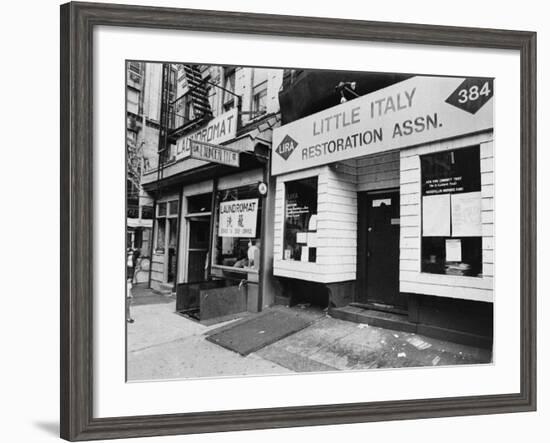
(77, 214)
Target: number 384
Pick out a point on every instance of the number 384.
(473, 93)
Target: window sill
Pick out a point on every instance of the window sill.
(232, 269)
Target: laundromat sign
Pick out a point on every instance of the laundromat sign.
(218, 130)
(416, 111)
(238, 218)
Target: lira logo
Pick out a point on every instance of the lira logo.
(286, 147)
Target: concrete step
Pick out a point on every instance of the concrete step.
(164, 289)
(387, 320)
(399, 322)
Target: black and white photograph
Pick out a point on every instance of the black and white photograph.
(283, 221)
(266, 222)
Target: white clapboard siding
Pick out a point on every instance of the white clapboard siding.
(378, 171)
(336, 226)
(410, 277)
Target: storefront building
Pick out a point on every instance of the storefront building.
(142, 128)
(212, 240)
(384, 207)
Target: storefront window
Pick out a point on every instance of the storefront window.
(300, 230)
(161, 233)
(451, 212)
(167, 216)
(161, 211)
(238, 228)
(173, 208)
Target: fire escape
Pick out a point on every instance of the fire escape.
(192, 108)
(183, 114)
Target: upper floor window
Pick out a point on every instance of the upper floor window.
(259, 100)
(229, 86)
(133, 101)
(135, 67)
(259, 92)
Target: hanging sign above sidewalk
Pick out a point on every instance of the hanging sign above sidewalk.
(218, 130)
(409, 113)
(213, 153)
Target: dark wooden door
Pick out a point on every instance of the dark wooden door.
(379, 249)
(199, 233)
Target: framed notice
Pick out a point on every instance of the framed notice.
(404, 114)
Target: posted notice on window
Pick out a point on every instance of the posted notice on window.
(436, 215)
(466, 214)
(238, 218)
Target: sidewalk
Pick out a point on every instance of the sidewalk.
(165, 345)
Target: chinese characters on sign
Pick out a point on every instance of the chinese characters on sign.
(218, 130)
(238, 218)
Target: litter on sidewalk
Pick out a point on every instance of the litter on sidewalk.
(418, 343)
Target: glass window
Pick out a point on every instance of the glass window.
(300, 230)
(260, 76)
(147, 212)
(133, 101)
(134, 66)
(451, 212)
(161, 209)
(166, 211)
(199, 232)
(173, 207)
(238, 228)
(259, 100)
(161, 235)
(199, 203)
(229, 86)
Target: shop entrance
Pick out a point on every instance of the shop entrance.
(378, 250)
(199, 234)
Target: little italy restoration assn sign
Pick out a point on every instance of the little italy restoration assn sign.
(415, 111)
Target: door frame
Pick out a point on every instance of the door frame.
(187, 249)
(361, 273)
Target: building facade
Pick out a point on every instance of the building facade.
(368, 194)
(384, 201)
(143, 83)
(212, 236)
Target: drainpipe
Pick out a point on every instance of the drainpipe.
(211, 234)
